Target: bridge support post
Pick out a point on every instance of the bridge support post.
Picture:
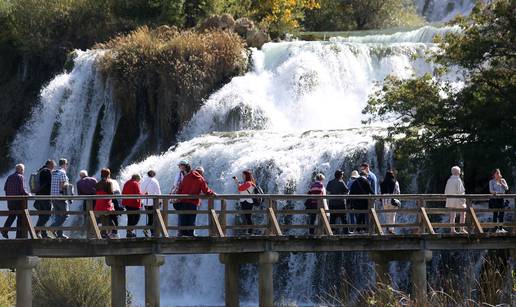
(118, 277)
(24, 266)
(232, 264)
(266, 293)
(152, 285)
(417, 260)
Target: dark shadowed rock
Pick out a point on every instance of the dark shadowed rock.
(256, 38)
(222, 22)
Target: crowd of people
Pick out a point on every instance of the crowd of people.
(51, 179)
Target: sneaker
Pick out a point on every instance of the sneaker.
(464, 231)
(38, 235)
(146, 232)
(62, 237)
(5, 234)
(113, 236)
(130, 234)
(503, 231)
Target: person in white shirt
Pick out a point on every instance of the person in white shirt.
(455, 186)
(150, 186)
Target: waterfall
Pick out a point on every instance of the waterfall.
(296, 113)
(444, 10)
(75, 119)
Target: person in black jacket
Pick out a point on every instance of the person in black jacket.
(361, 186)
(45, 179)
(337, 186)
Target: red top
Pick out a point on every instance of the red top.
(132, 187)
(193, 184)
(103, 204)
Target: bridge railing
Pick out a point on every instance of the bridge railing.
(278, 215)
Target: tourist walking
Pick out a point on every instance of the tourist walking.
(132, 187)
(316, 188)
(86, 186)
(361, 186)
(352, 217)
(337, 186)
(497, 186)
(184, 169)
(192, 184)
(150, 186)
(44, 183)
(371, 177)
(390, 186)
(117, 207)
(14, 186)
(59, 187)
(454, 186)
(247, 188)
(105, 187)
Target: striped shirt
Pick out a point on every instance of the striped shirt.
(58, 177)
(14, 185)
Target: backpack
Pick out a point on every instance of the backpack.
(34, 183)
(257, 201)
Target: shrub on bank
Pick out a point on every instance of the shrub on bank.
(7, 288)
(188, 57)
(72, 282)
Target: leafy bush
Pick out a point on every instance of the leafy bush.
(192, 60)
(72, 282)
(7, 288)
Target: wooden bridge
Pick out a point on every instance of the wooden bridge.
(279, 227)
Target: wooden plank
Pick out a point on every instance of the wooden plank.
(155, 224)
(325, 223)
(376, 222)
(211, 230)
(474, 220)
(273, 221)
(30, 227)
(222, 215)
(161, 224)
(94, 227)
(215, 220)
(514, 217)
(270, 227)
(164, 212)
(426, 221)
(420, 203)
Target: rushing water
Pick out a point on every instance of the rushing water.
(297, 112)
(444, 10)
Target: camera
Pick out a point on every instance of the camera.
(234, 177)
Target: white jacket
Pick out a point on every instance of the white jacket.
(454, 186)
(150, 186)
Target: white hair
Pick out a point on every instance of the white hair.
(455, 170)
(83, 173)
(319, 177)
(20, 167)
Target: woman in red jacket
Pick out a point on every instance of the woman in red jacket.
(132, 187)
(192, 184)
(105, 187)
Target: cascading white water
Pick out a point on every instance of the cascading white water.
(296, 113)
(72, 107)
(444, 10)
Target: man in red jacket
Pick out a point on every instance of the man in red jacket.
(193, 184)
(132, 187)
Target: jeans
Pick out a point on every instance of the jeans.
(186, 219)
(248, 216)
(59, 219)
(114, 217)
(132, 219)
(20, 222)
(43, 205)
(312, 216)
(150, 218)
(497, 203)
(341, 216)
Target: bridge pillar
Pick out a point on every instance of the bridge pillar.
(152, 285)
(118, 277)
(266, 260)
(417, 260)
(24, 266)
(232, 264)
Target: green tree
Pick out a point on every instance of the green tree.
(434, 124)
(342, 15)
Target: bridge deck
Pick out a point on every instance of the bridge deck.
(251, 244)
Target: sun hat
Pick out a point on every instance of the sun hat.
(354, 174)
(184, 162)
